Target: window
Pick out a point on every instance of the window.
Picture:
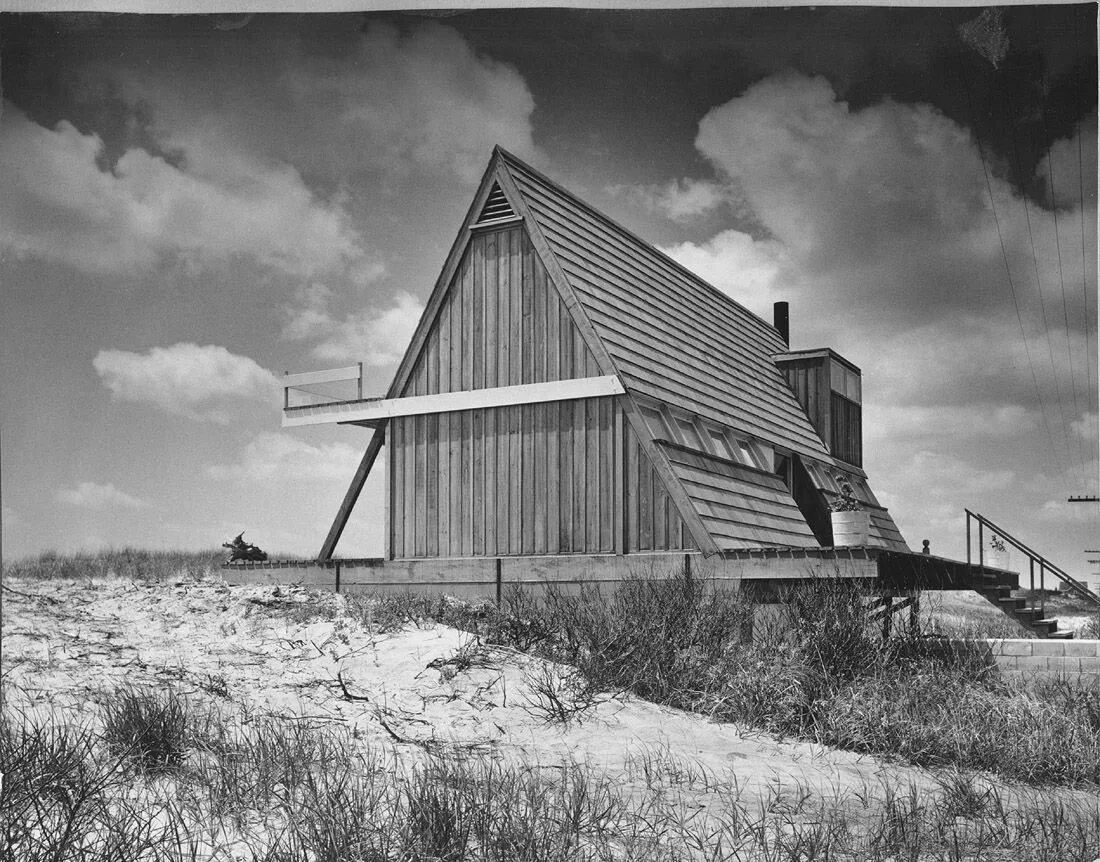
(752, 454)
(846, 433)
(655, 421)
(690, 434)
(844, 381)
(720, 445)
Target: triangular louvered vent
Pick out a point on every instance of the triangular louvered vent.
(496, 207)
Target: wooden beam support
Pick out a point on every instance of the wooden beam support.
(352, 495)
(452, 402)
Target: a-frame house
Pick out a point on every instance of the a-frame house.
(574, 402)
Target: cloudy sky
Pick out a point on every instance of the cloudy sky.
(191, 205)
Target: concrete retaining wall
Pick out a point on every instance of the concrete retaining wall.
(1072, 658)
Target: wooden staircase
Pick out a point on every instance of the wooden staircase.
(1022, 610)
(997, 586)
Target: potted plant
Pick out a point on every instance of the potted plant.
(851, 522)
(997, 556)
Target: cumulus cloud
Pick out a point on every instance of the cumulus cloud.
(90, 495)
(679, 199)
(273, 457)
(745, 268)
(957, 421)
(375, 335)
(883, 210)
(883, 214)
(1061, 512)
(186, 379)
(1070, 168)
(57, 203)
(391, 101)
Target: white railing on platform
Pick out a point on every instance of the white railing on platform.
(307, 383)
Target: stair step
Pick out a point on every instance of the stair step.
(1061, 635)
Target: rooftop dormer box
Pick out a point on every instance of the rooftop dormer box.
(830, 390)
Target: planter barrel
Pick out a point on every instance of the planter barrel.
(850, 529)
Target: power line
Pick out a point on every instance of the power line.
(1061, 274)
(1008, 269)
(1038, 281)
(1084, 266)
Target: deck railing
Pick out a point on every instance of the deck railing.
(1034, 558)
(317, 385)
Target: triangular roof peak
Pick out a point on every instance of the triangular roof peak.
(668, 334)
(501, 154)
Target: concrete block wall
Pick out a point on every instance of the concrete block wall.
(1072, 658)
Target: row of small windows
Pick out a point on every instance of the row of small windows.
(696, 433)
(844, 381)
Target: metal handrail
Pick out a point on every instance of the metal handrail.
(1033, 556)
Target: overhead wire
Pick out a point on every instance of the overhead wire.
(1084, 284)
(1018, 162)
(1061, 274)
(1008, 268)
(1084, 265)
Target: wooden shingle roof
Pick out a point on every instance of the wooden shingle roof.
(670, 335)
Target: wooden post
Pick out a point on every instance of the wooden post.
(618, 452)
(887, 615)
(968, 557)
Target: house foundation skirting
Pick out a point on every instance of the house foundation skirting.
(488, 577)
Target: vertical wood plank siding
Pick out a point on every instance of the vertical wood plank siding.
(557, 496)
(649, 516)
(501, 324)
(809, 380)
(522, 479)
(518, 507)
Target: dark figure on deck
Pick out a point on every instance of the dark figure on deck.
(239, 549)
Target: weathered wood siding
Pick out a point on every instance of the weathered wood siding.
(809, 380)
(555, 478)
(526, 479)
(651, 520)
(502, 323)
